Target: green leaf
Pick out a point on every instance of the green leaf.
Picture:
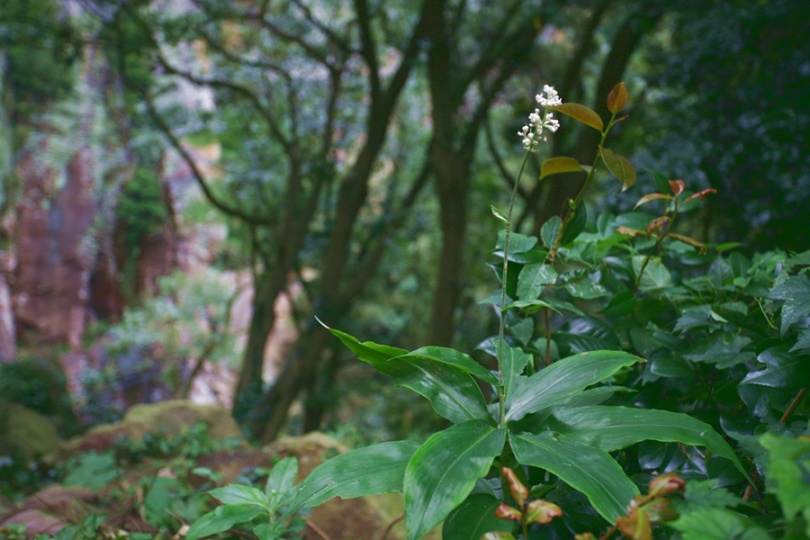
(614, 428)
(451, 390)
(444, 470)
(576, 225)
(558, 165)
(282, 477)
(722, 349)
(789, 474)
(221, 519)
(795, 293)
(513, 363)
(550, 230)
(622, 303)
(455, 358)
(718, 524)
(589, 470)
(655, 277)
(563, 379)
(702, 494)
(586, 288)
(473, 518)
(518, 243)
(533, 278)
(366, 471)
(239, 494)
(582, 113)
(803, 343)
(499, 214)
(619, 166)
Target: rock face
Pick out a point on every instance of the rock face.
(54, 249)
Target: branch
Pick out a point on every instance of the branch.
(369, 50)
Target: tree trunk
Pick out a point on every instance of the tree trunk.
(452, 172)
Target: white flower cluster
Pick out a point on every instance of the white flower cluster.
(532, 133)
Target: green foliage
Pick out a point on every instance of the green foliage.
(141, 209)
(269, 513)
(36, 383)
(41, 48)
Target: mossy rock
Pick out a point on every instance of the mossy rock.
(167, 418)
(26, 432)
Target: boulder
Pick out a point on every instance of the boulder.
(166, 418)
(26, 432)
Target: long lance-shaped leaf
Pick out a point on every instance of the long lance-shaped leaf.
(450, 389)
(513, 363)
(366, 471)
(222, 518)
(444, 470)
(613, 428)
(563, 379)
(585, 468)
(455, 358)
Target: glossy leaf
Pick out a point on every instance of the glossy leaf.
(655, 276)
(614, 428)
(366, 471)
(589, 470)
(473, 518)
(221, 519)
(455, 358)
(513, 363)
(619, 167)
(533, 279)
(582, 113)
(559, 165)
(576, 225)
(451, 390)
(617, 98)
(561, 380)
(499, 214)
(444, 470)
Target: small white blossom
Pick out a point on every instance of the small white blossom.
(532, 133)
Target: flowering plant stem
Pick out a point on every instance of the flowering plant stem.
(502, 325)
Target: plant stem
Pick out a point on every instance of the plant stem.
(505, 273)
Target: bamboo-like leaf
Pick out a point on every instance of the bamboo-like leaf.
(561, 380)
(585, 468)
(455, 358)
(582, 113)
(239, 494)
(450, 389)
(366, 471)
(513, 363)
(559, 165)
(221, 519)
(442, 473)
(473, 518)
(614, 428)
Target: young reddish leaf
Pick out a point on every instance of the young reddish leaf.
(677, 187)
(636, 524)
(651, 197)
(540, 511)
(689, 240)
(700, 195)
(504, 511)
(659, 511)
(557, 165)
(657, 223)
(665, 484)
(519, 492)
(582, 113)
(619, 166)
(617, 98)
(632, 233)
